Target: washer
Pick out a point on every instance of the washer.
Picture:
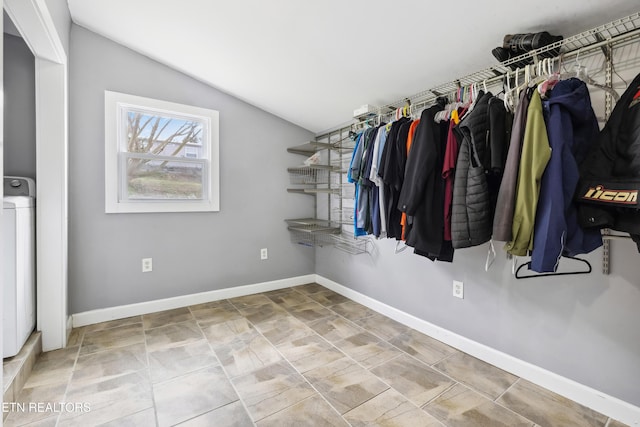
(18, 223)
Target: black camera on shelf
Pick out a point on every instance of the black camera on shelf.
(515, 45)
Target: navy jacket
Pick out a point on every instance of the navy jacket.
(572, 128)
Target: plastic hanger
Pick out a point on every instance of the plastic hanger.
(564, 273)
(491, 256)
(400, 248)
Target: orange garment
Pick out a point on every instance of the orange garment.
(412, 131)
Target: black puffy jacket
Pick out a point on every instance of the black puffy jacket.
(471, 217)
(610, 176)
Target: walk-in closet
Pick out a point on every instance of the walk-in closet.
(330, 213)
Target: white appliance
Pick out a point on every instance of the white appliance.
(18, 222)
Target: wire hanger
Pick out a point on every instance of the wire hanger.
(564, 273)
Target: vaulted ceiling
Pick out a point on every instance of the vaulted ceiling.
(314, 62)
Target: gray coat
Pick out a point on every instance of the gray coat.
(503, 219)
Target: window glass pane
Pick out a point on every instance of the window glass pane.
(166, 180)
(164, 135)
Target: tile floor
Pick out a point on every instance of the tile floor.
(304, 356)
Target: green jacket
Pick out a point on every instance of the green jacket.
(536, 153)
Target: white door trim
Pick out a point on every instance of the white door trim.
(35, 24)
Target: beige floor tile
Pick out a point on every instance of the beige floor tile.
(191, 395)
(247, 354)
(548, 408)
(335, 328)
(414, 380)
(221, 334)
(328, 298)
(168, 317)
(382, 326)
(271, 389)
(309, 352)
(284, 329)
(75, 337)
(171, 362)
(290, 299)
(614, 423)
(173, 335)
(352, 310)
(45, 422)
(310, 288)
(367, 349)
(476, 374)
(422, 347)
(390, 409)
(311, 412)
(53, 367)
(10, 369)
(462, 407)
(269, 294)
(120, 336)
(112, 324)
(345, 384)
(22, 413)
(146, 418)
(9, 393)
(263, 313)
(109, 400)
(309, 312)
(231, 415)
(215, 312)
(97, 367)
(249, 301)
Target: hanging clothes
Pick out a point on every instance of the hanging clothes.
(448, 171)
(412, 131)
(376, 217)
(356, 167)
(392, 173)
(535, 156)
(572, 128)
(356, 159)
(496, 146)
(610, 176)
(505, 206)
(422, 195)
(366, 184)
(471, 212)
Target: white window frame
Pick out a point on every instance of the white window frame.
(116, 200)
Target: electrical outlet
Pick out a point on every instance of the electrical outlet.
(264, 254)
(458, 289)
(147, 265)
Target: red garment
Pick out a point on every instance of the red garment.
(448, 173)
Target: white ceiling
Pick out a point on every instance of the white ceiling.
(314, 62)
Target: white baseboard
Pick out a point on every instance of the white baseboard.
(69, 328)
(124, 311)
(587, 396)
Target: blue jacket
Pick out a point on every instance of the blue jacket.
(572, 127)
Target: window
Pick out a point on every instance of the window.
(159, 156)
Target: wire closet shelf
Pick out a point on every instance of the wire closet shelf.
(620, 31)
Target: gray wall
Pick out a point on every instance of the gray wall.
(583, 327)
(20, 108)
(192, 252)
